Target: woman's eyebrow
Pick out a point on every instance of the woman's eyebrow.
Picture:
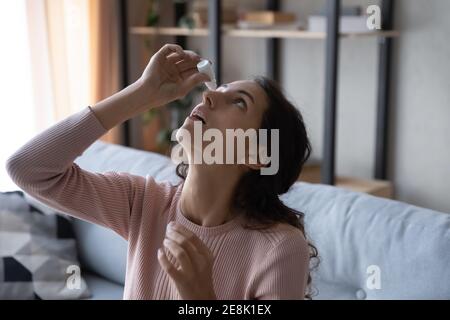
(247, 94)
(242, 92)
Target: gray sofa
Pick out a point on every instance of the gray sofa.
(370, 248)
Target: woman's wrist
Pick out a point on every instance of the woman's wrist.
(139, 96)
(122, 106)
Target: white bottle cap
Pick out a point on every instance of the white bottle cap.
(205, 67)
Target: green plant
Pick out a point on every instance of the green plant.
(186, 22)
(178, 112)
(152, 13)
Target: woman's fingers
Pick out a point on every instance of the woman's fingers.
(168, 55)
(169, 49)
(198, 244)
(188, 246)
(180, 255)
(183, 241)
(189, 62)
(190, 72)
(185, 55)
(186, 65)
(175, 58)
(182, 65)
(194, 276)
(192, 81)
(168, 267)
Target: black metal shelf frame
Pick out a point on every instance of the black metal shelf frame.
(331, 75)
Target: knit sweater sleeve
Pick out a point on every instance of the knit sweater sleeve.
(284, 273)
(44, 168)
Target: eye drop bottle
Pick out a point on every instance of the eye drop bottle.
(205, 67)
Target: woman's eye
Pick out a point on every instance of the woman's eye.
(241, 103)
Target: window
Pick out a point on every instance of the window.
(17, 115)
(45, 67)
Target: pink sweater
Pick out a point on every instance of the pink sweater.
(249, 264)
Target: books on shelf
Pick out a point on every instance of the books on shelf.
(272, 20)
(347, 24)
(268, 17)
(200, 16)
(269, 26)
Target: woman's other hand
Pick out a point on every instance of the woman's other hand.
(170, 75)
(192, 270)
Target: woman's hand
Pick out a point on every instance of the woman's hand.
(170, 75)
(192, 270)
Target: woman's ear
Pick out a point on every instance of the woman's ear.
(257, 162)
(256, 166)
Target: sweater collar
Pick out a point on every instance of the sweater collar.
(201, 230)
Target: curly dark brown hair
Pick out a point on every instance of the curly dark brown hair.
(257, 196)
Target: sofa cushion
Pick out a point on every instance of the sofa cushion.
(38, 258)
(107, 258)
(373, 248)
(102, 289)
(102, 157)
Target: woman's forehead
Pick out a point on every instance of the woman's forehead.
(251, 87)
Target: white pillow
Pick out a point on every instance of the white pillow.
(38, 258)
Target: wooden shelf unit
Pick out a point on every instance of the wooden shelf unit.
(380, 188)
(325, 173)
(257, 33)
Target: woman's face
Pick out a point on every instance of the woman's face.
(237, 105)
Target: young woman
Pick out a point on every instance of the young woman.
(222, 233)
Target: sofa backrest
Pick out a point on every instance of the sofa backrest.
(370, 248)
(373, 248)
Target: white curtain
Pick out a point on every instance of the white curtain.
(61, 55)
(45, 63)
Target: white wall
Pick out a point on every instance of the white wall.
(421, 134)
(420, 156)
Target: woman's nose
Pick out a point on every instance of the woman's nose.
(210, 98)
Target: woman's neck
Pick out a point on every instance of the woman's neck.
(207, 195)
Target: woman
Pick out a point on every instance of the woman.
(222, 233)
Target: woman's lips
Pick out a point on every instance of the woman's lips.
(197, 118)
(198, 114)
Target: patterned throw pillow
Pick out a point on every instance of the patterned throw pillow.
(38, 258)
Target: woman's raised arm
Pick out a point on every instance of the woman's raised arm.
(170, 75)
(44, 167)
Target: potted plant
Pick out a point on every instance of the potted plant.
(152, 18)
(161, 122)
